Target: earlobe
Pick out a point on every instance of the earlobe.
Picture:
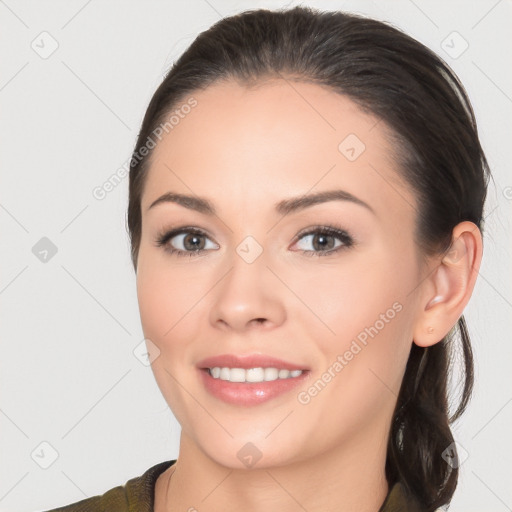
(449, 286)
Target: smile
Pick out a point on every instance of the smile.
(252, 374)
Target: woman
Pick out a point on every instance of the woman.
(305, 214)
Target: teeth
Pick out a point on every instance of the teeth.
(252, 374)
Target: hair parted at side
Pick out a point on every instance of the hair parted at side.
(400, 81)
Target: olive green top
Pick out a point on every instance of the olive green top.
(138, 495)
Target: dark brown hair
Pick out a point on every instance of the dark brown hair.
(400, 81)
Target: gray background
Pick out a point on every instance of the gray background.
(70, 324)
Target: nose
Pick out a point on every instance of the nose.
(248, 297)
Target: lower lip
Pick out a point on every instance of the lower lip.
(249, 393)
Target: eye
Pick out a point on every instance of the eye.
(326, 240)
(190, 238)
(323, 239)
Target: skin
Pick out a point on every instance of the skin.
(245, 149)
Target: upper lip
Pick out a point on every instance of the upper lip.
(247, 361)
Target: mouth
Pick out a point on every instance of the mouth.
(250, 379)
(252, 374)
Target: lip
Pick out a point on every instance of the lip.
(248, 361)
(249, 393)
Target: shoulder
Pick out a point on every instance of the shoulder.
(137, 492)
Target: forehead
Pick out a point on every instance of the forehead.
(276, 139)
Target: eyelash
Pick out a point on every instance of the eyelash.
(338, 232)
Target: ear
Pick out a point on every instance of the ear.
(448, 288)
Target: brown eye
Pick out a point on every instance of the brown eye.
(193, 242)
(184, 242)
(324, 241)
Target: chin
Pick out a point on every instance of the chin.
(250, 452)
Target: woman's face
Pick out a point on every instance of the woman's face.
(270, 281)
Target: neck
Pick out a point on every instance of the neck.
(349, 478)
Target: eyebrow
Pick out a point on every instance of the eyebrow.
(284, 207)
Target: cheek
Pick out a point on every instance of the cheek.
(169, 312)
(167, 297)
(362, 359)
(351, 294)
(362, 309)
